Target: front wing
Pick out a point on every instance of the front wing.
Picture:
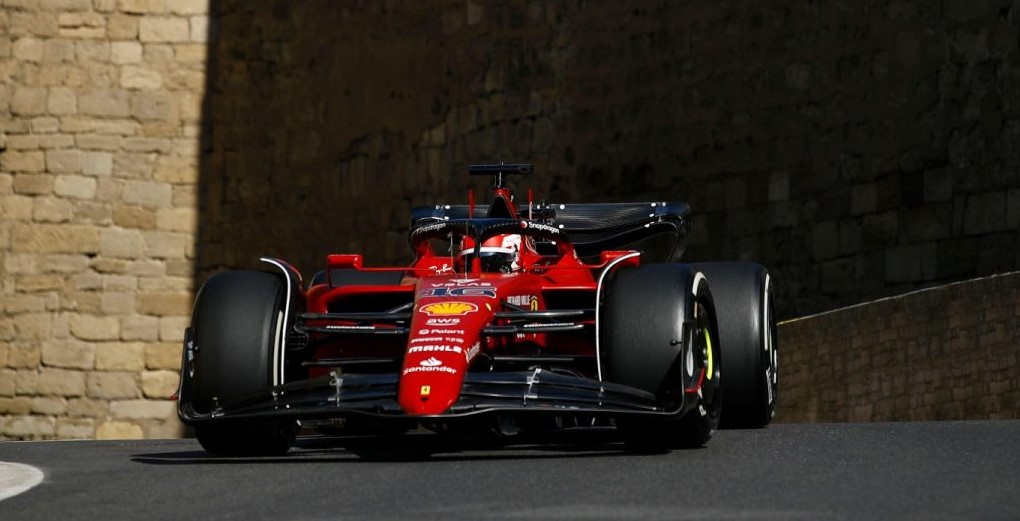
(521, 392)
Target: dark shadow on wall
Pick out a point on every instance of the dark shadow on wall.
(857, 151)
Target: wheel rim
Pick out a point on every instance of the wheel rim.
(707, 353)
(771, 356)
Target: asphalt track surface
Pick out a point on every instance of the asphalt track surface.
(949, 470)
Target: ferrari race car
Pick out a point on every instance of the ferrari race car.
(510, 318)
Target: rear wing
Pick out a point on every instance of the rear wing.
(591, 227)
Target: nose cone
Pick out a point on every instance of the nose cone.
(441, 345)
(431, 385)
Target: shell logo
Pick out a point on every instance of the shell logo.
(442, 309)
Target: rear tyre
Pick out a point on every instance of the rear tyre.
(235, 329)
(747, 328)
(657, 334)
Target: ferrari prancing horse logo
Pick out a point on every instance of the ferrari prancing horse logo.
(442, 309)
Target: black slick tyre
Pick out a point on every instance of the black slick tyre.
(747, 329)
(656, 334)
(235, 329)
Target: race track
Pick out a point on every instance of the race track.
(951, 470)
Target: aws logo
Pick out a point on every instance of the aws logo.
(442, 309)
(442, 321)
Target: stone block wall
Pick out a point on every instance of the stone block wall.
(857, 149)
(100, 108)
(947, 353)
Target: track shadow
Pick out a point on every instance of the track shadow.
(417, 448)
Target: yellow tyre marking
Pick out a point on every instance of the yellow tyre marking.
(708, 345)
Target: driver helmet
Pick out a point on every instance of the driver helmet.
(498, 254)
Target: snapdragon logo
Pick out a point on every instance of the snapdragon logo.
(528, 225)
(428, 228)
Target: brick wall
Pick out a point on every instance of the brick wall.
(99, 118)
(947, 353)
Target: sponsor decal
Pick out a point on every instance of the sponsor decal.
(428, 228)
(527, 225)
(431, 362)
(470, 354)
(442, 322)
(548, 324)
(350, 328)
(440, 331)
(431, 365)
(518, 300)
(523, 301)
(435, 349)
(441, 309)
(440, 369)
(458, 292)
(453, 339)
(426, 339)
(449, 308)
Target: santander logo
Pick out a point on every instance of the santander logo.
(429, 365)
(430, 362)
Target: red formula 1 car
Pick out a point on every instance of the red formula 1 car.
(510, 317)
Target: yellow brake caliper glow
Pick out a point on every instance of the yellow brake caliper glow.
(710, 370)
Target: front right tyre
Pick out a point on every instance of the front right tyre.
(657, 334)
(236, 328)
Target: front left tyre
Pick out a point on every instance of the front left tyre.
(236, 329)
